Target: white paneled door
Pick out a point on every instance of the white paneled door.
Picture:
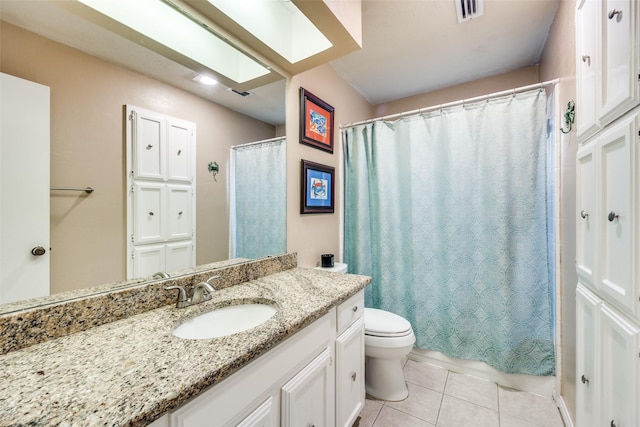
(24, 189)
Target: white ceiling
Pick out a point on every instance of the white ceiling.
(409, 47)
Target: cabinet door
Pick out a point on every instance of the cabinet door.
(180, 139)
(587, 347)
(350, 392)
(266, 415)
(308, 398)
(586, 221)
(617, 212)
(620, 58)
(148, 201)
(620, 360)
(148, 260)
(586, 66)
(148, 157)
(179, 256)
(179, 212)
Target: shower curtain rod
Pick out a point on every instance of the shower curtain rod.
(264, 141)
(456, 103)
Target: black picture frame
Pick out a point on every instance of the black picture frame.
(317, 188)
(316, 122)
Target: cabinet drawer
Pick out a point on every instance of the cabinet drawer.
(350, 310)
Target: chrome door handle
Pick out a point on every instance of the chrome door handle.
(615, 12)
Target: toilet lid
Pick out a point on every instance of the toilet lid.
(383, 323)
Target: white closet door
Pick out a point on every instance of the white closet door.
(24, 189)
(587, 357)
(179, 212)
(179, 256)
(148, 201)
(586, 67)
(587, 215)
(617, 216)
(148, 146)
(179, 146)
(148, 260)
(620, 91)
(620, 370)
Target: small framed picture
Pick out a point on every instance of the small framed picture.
(316, 122)
(317, 186)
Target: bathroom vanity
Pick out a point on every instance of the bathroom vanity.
(303, 366)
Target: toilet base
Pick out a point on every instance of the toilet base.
(384, 379)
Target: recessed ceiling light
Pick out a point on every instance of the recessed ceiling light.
(205, 80)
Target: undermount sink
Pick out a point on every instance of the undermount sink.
(224, 321)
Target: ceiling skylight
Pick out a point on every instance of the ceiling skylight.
(279, 24)
(162, 23)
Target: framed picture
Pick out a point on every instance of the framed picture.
(317, 185)
(316, 122)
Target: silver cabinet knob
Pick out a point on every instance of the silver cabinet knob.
(586, 58)
(613, 423)
(149, 147)
(584, 214)
(355, 308)
(612, 216)
(150, 213)
(584, 380)
(353, 376)
(615, 12)
(38, 251)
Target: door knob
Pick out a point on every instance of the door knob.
(38, 251)
(612, 216)
(584, 380)
(614, 12)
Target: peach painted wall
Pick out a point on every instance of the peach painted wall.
(521, 77)
(558, 61)
(313, 234)
(87, 149)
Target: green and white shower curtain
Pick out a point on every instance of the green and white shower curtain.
(447, 211)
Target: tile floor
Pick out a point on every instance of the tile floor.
(442, 398)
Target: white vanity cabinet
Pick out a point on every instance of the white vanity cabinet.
(350, 391)
(314, 378)
(607, 63)
(292, 384)
(607, 363)
(161, 197)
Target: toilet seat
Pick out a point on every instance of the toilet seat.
(381, 323)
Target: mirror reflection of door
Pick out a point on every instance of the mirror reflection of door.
(24, 189)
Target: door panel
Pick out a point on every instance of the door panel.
(24, 188)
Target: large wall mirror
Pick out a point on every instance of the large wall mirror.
(93, 73)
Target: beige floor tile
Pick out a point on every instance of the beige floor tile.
(390, 417)
(538, 410)
(509, 421)
(422, 403)
(460, 413)
(370, 412)
(472, 389)
(425, 375)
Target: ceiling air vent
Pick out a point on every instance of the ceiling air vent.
(469, 9)
(245, 93)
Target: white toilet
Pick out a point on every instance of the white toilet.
(387, 339)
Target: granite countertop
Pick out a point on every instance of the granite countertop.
(132, 371)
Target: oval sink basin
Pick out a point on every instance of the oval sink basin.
(225, 321)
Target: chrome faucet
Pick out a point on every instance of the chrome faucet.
(161, 275)
(201, 292)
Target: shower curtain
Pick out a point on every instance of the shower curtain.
(447, 211)
(258, 199)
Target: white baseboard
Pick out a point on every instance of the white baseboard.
(564, 411)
